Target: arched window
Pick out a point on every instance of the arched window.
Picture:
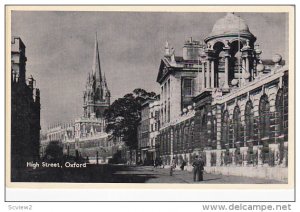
(204, 137)
(249, 120)
(186, 138)
(175, 141)
(192, 145)
(236, 124)
(279, 111)
(169, 141)
(225, 128)
(264, 116)
(181, 139)
(213, 130)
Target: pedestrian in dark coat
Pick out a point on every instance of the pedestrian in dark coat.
(201, 168)
(196, 169)
(183, 165)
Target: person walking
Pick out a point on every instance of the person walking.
(196, 166)
(173, 166)
(201, 168)
(183, 164)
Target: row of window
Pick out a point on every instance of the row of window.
(265, 127)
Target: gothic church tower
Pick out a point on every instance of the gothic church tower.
(96, 96)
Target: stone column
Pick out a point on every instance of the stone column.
(244, 153)
(208, 75)
(203, 75)
(218, 137)
(275, 149)
(259, 159)
(285, 155)
(212, 73)
(247, 64)
(171, 142)
(233, 156)
(208, 158)
(226, 71)
(242, 71)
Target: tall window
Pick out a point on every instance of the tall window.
(237, 124)
(225, 128)
(169, 112)
(204, 136)
(178, 139)
(264, 116)
(182, 139)
(187, 87)
(214, 129)
(249, 121)
(175, 141)
(279, 111)
(192, 136)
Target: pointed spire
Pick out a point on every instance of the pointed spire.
(167, 44)
(104, 79)
(96, 64)
(167, 49)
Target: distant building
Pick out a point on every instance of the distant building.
(148, 131)
(25, 110)
(86, 136)
(154, 108)
(96, 96)
(221, 100)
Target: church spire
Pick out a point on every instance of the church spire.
(96, 69)
(104, 80)
(97, 96)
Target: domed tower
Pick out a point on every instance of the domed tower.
(229, 54)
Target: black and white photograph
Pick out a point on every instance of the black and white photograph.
(150, 97)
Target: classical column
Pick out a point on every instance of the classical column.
(208, 75)
(171, 142)
(226, 71)
(212, 73)
(203, 75)
(218, 137)
(208, 157)
(242, 72)
(247, 64)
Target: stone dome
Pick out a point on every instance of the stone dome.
(231, 24)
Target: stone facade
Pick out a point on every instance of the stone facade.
(234, 110)
(25, 110)
(148, 131)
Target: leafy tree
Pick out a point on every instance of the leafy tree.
(124, 115)
(54, 152)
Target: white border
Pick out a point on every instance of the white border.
(137, 195)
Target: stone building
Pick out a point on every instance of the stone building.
(96, 96)
(25, 110)
(148, 131)
(154, 108)
(86, 136)
(237, 110)
(179, 79)
(61, 132)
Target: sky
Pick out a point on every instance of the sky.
(60, 46)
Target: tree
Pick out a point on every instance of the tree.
(54, 152)
(124, 115)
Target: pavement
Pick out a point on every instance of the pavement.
(108, 173)
(162, 175)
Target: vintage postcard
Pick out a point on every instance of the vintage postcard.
(150, 97)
